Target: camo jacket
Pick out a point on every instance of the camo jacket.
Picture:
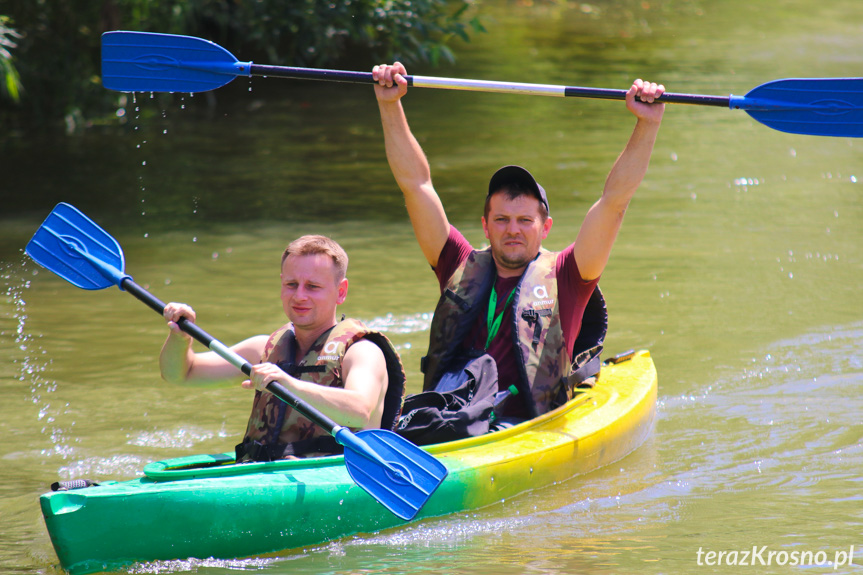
(273, 421)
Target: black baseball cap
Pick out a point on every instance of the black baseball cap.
(508, 174)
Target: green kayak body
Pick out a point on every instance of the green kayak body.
(208, 506)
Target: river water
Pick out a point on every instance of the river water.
(738, 266)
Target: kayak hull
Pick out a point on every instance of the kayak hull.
(207, 506)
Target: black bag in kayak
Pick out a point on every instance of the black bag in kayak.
(462, 405)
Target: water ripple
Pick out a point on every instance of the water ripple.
(165, 439)
(403, 324)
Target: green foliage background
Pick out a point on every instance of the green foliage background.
(50, 49)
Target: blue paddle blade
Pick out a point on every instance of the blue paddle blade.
(149, 62)
(811, 106)
(397, 473)
(72, 246)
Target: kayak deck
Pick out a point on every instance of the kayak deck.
(208, 506)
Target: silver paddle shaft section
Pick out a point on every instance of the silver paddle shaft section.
(228, 355)
(488, 86)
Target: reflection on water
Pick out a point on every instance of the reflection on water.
(739, 266)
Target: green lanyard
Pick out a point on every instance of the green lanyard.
(493, 322)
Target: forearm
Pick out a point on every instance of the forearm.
(404, 154)
(602, 222)
(413, 176)
(176, 359)
(631, 166)
(350, 408)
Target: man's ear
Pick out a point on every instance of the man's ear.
(546, 227)
(343, 291)
(485, 227)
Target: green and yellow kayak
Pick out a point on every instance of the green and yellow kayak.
(208, 506)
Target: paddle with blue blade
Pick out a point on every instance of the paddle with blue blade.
(150, 62)
(394, 471)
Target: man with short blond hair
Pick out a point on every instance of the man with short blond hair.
(348, 372)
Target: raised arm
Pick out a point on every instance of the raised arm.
(602, 222)
(178, 363)
(408, 163)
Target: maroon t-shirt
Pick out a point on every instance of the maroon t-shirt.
(573, 293)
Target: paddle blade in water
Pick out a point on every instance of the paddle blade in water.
(72, 246)
(811, 106)
(405, 482)
(150, 62)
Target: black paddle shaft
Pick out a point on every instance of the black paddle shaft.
(668, 97)
(209, 341)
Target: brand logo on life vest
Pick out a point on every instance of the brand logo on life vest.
(539, 292)
(330, 351)
(543, 301)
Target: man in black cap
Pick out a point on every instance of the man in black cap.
(514, 301)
